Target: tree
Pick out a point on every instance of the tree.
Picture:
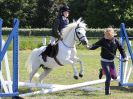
(24, 10)
(47, 11)
(101, 13)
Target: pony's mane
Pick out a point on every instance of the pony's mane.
(73, 25)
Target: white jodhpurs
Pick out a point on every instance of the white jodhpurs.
(53, 40)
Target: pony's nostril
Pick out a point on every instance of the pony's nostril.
(84, 42)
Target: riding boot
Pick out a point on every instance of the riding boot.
(47, 52)
(100, 73)
(107, 88)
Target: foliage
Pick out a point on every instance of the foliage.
(102, 13)
(21, 9)
(41, 13)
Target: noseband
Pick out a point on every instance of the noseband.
(79, 38)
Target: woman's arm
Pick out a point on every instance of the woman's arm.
(121, 49)
(95, 45)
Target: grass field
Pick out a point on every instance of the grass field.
(64, 75)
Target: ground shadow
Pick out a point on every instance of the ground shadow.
(125, 89)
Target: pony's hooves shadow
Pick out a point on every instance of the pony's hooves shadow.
(76, 77)
(80, 75)
(29, 90)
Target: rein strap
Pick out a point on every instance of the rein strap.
(58, 62)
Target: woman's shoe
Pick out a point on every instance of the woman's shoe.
(100, 73)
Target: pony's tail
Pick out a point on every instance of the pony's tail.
(30, 61)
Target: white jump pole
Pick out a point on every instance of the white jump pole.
(125, 71)
(7, 87)
(65, 87)
(3, 83)
(129, 73)
(7, 69)
(37, 85)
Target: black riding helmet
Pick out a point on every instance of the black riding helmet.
(64, 8)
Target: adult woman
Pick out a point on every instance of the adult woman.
(109, 45)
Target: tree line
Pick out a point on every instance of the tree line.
(41, 13)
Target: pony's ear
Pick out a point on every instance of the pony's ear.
(79, 20)
(83, 21)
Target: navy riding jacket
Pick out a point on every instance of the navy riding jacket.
(59, 23)
(109, 48)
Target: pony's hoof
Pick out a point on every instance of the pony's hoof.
(75, 77)
(80, 75)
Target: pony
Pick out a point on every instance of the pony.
(67, 53)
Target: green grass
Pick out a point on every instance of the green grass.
(31, 42)
(64, 75)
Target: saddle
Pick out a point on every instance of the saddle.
(51, 51)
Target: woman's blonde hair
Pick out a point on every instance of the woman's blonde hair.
(110, 29)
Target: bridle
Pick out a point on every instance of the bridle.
(79, 38)
(75, 34)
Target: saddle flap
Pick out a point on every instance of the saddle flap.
(52, 50)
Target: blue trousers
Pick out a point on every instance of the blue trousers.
(109, 70)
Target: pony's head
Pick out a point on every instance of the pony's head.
(79, 28)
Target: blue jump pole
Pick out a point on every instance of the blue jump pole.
(13, 36)
(124, 36)
(1, 22)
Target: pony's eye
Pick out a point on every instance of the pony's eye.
(78, 32)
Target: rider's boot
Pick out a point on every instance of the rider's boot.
(44, 56)
(47, 52)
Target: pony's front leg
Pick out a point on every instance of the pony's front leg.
(74, 68)
(75, 71)
(81, 73)
(76, 59)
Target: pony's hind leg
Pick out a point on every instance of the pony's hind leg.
(32, 73)
(44, 74)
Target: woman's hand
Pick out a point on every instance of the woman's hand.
(125, 59)
(88, 47)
